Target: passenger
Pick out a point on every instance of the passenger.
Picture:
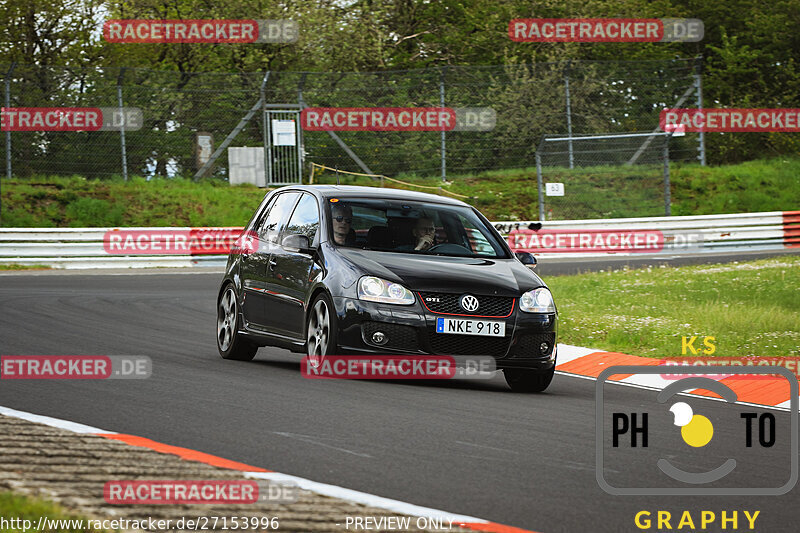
(424, 233)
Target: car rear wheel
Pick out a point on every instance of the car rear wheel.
(230, 344)
(321, 330)
(524, 380)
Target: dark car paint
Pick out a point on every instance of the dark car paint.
(296, 278)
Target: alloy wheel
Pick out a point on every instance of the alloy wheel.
(319, 325)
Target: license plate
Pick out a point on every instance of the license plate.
(466, 326)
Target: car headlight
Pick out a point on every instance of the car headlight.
(379, 290)
(537, 301)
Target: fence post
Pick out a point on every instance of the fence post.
(265, 133)
(667, 202)
(301, 142)
(441, 104)
(698, 80)
(122, 129)
(539, 184)
(8, 136)
(8, 133)
(569, 115)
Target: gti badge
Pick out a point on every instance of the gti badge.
(469, 303)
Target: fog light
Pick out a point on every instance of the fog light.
(544, 348)
(379, 338)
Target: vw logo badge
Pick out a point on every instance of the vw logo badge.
(469, 303)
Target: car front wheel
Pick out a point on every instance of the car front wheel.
(230, 344)
(524, 380)
(321, 332)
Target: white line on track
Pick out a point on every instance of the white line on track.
(780, 407)
(53, 422)
(306, 484)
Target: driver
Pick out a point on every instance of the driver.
(343, 234)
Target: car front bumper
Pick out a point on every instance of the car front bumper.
(529, 342)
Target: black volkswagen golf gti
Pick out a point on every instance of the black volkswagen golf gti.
(332, 270)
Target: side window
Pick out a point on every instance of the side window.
(477, 240)
(273, 224)
(260, 213)
(305, 219)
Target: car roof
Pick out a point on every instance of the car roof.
(355, 191)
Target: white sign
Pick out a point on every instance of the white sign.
(205, 147)
(554, 189)
(283, 133)
(246, 165)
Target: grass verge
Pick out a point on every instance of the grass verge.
(24, 267)
(15, 506)
(599, 192)
(750, 308)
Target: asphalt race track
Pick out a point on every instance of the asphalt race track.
(469, 447)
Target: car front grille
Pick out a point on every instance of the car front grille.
(447, 303)
(451, 344)
(529, 346)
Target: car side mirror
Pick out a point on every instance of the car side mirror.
(296, 243)
(526, 258)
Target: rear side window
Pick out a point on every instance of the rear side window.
(273, 224)
(261, 213)
(305, 219)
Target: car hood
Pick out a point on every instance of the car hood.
(434, 273)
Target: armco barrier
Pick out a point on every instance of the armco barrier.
(117, 247)
(185, 247)
(656, 235)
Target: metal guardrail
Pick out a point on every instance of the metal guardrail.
(143, 247)
(158, 247)
(697, 234)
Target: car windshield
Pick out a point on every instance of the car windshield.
(411, 227)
